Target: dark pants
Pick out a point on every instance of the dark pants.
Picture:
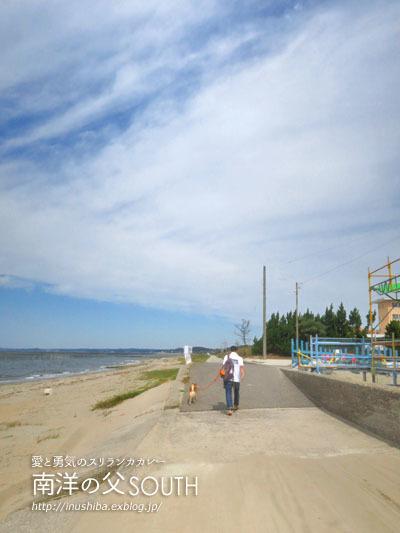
(228, 393)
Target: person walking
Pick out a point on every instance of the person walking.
(234, 379)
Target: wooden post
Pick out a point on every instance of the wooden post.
(297, 315)
(394, 360)
(264, 315)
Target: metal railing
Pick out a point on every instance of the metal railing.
(323, 354)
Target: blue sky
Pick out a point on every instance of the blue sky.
(155, 155)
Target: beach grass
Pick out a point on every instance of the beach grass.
(47, 437)
(154, 378)
(8, 425)
(196, 358)
(199, 357)
(166, 374)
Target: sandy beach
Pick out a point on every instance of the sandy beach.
(64, 424)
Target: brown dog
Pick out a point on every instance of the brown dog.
(192, 393)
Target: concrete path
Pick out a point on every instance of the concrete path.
(265, 471)
(264, 387)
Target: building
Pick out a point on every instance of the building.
(388, 310)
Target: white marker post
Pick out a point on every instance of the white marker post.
(187, 351)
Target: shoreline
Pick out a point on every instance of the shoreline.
(70, 374)
(83, 376)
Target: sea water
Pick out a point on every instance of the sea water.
(34, 366)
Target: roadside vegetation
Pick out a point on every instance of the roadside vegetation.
(337, 324)
(8, 425)
(199, 357)
(47, 437)
(151, 378)
(243, 351)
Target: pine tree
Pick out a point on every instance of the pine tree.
(329, 321)
(368, 326)
(341, 321)
(282, 328)
(355, 322)
(393, 327)
(309, 326)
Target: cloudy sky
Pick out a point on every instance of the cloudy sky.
(155, 155)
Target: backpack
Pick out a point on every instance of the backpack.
(227, 367)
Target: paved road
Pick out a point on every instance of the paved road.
(264, 387)
(282, 470)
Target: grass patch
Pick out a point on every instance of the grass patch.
(245, 351)
(8, 425)
(199, 357)
(154, 378)
(118, 398)
(47, 437)
(167, 374)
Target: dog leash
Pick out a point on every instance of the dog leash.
(212, 383)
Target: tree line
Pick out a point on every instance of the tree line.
(282, 328)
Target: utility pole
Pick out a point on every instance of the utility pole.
(265, 316)
(297, 316)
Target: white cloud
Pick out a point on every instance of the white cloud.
(12, 282)
(270, 159)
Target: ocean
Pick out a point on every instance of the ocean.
(35, 366)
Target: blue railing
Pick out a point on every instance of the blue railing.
(323, 353)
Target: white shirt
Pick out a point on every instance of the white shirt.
(237, 363)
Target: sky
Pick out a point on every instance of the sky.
(155, 155)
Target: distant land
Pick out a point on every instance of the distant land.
(123, 351)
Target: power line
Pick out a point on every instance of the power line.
(318, 252)
(348, 262)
